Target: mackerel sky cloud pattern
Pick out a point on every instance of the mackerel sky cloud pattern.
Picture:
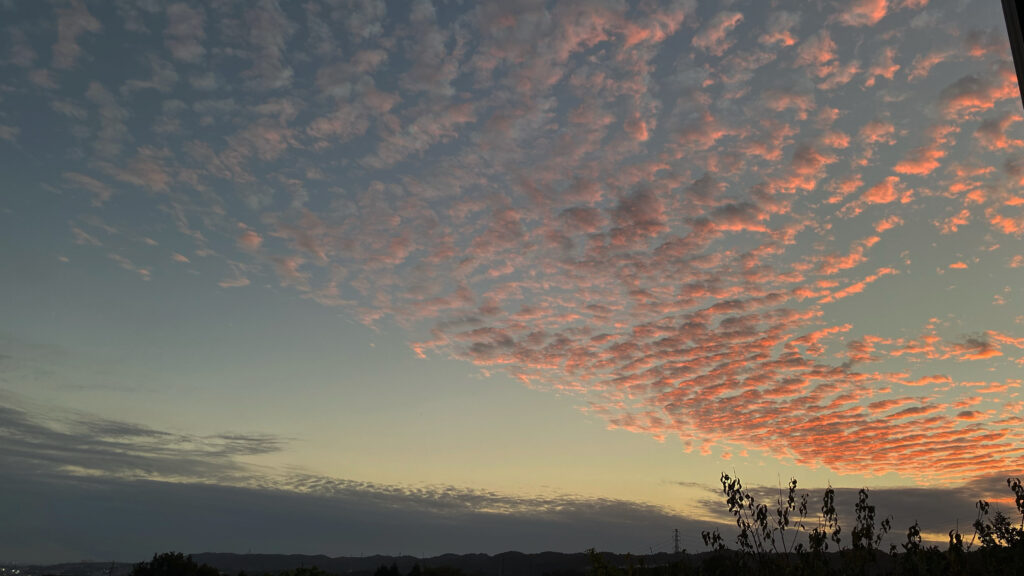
(793, 229)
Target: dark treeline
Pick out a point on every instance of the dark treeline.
(506, 564)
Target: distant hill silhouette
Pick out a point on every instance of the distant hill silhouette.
(504, 564)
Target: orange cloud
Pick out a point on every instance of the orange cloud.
(920, 161)
(877, 131)
(857, 287)
(972, 94)
(888, 223)
(953, 223)
(884, 66)
(884, 192)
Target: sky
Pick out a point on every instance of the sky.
(356, 276)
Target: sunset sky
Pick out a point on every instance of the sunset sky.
(356, 276)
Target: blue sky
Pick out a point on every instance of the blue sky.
(576, 256)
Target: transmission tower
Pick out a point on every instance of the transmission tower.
(675, 541)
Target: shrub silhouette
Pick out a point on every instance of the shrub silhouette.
(773, 543)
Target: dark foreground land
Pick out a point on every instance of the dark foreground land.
(777, 537)
(926, 561)
(505, 564)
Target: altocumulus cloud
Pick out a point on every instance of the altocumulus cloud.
(649, 205)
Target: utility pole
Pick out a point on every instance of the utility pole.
(675, 539)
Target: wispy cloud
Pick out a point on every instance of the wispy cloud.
(79, 444)
(77, 460)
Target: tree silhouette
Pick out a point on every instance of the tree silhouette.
(387, 570)
(172, 564)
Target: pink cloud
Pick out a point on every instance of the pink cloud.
(969, 415)
(972, 94)
(817, 53)
(582, 219)
(250, 241)
(923, 63)
(127, 264)
(289, 271)
(72, 22)
(983, 43)
(806, 168)
(840, 75)
(884, 66)
(830, 264)
(100, 191)
(735, 217)
(637, 215)
(21, 52)
(345, 123)
(779, 100)
(836, 139)
(504, 229)
(82, 237)
(480, 181)
(991, 133)
(184, 34)
(146, 170)
(268, 30)
(636, 127)
(424, 132)
(974, 349)
(113, 129)
(713, 36)
(234, 282)
(9, 133)
(778, 29)
(863, 12)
